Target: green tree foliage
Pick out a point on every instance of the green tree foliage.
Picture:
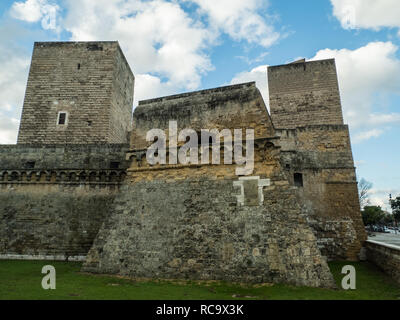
(395, 204)
(388, 219)
(373, 215)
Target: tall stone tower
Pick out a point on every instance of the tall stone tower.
(316, 152)
(77, 93)
(304, 93)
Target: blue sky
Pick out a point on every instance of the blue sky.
(184, 45)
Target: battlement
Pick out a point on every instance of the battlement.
(199, 93)
(304, 93)
(60, 164)
(238, 106)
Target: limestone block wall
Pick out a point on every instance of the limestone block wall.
(121, 100)
(195, 229)
(385, 256)
(231, 107)
(53, 198)
(51, 219)
(90, 81)
(322, 154)
(196, 222)
(304, 94)
(36, 157)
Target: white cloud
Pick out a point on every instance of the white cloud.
(8, 129)
(367, 76)
(149, 87)
(30, 10)
(157, 37)
(165, 45)
(13, 77)
(240, 19)
(380, 197)
(366, 135)
(36, 10)
(259, 75)
(369, 14)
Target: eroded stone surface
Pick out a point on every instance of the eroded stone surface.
(67, 189)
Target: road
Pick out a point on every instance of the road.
(386, 238)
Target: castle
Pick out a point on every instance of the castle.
(77, 185)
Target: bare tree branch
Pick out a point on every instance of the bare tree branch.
(364, 188)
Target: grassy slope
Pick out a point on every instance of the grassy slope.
(22, 280)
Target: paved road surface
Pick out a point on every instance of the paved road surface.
(386, 238)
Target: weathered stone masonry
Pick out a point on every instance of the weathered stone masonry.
(91, 81)
(58, 183)
(76, 187)
(54, 199)
(186, 221)
(306, 111)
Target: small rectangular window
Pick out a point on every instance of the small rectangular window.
(298, 180)
(62, 118)
(114, 165)
(30, 165)
(94, 47)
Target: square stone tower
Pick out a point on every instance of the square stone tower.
(316, 152)
(304, 93)
(77, 93)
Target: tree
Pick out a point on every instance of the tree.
(364, 188)
(388, 219)
(395, 204)
(372, 215)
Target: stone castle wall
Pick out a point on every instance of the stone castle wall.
(231, 107)
(385, 256)
(52, 219)
(79, 189)
(306, 110)
(54, 198)
(203, 222)
(322, 154)
(91, 81)
(304, 94)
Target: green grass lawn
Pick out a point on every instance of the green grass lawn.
(22, 280)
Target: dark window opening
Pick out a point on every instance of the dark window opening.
(94, 47)
(30, 164)
(89, 123)
(62, 118)
(114, 165)
(298, 180)
(79, 66)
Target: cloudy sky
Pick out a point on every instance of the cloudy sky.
(182, 45)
